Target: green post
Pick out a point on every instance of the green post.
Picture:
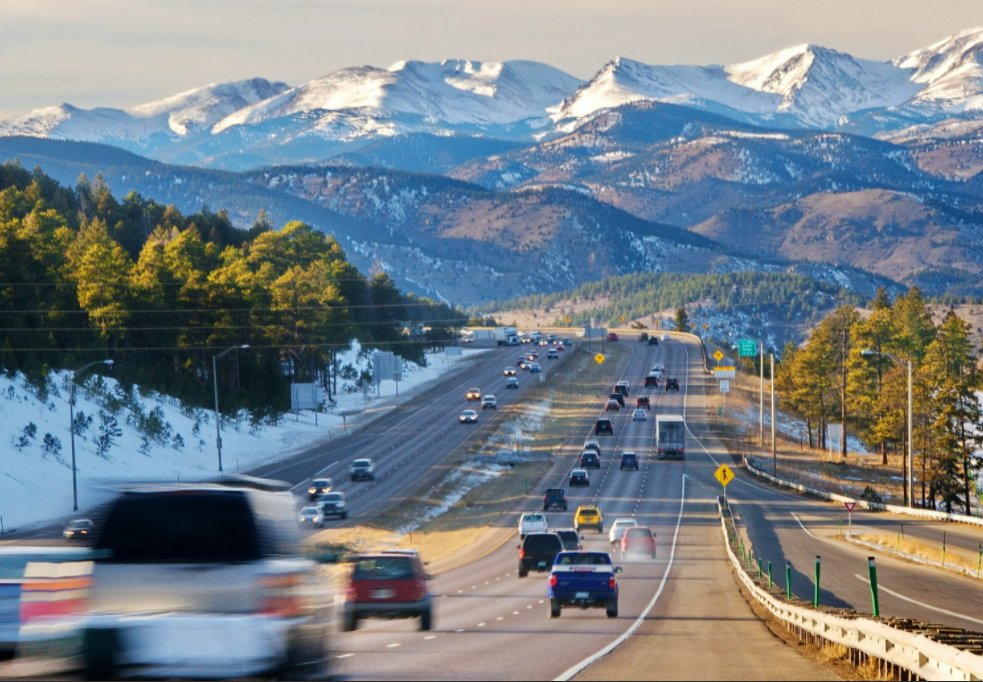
(979, 566)
(841, 526)
(815, 598)
(943, 549)
(759, 563)
(788, 580)
(874, 594)
(771, 581)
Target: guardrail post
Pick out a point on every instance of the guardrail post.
(943, 549)
(771, 581)
(979, 566)
(759, 563)
(874, 594)
(815, 598)
(788, 580)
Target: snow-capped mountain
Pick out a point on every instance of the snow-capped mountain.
(950, 72)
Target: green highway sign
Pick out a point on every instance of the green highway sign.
(747, 348)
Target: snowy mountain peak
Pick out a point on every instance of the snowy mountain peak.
(951, 71)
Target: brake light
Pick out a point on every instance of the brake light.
(612, 582)
(552, 579)
(351, 593)
(522, 554)
(280, 598)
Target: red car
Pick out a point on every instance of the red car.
(612, 406)
(388, 585)
(612, 337)
(639, 540)
(560, 346)
(643, 401)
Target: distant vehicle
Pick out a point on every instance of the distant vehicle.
(670, 436)
(532, 523)
(622, 388)
(506, 336)
(643, 336)
(665, 337)
(660, 368)
(555, 498)
(78, 530)
(579, 477)
(571, 539)
(672, 384)
(488, 403)
(603, 425)
(653, 340)
(643, 401)
(544, 342)
(629, 461)
(225, 557)
(473, 394)
(619, 527)
(538, 552)
(584, 580)
(523, 364)
(638, 541)
(560, 347)
(612, 336)
(334, 504)
(588, 516)
(318, 487)
(639, 416)
(592, 445)
(652, 381)
(525, 338)
(387, 585)
(619, 397)
(535, 368)
(362, 470)
(551, 338)
(566, 341)
(590, 460)
(552, 354)
(532, 356)
(612, 406)
(511, 382)
(510, 371)
(469, 417)
(311, 516)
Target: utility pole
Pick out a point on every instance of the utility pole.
(761, 411)
(911, 442)
(71, 427)
(774, 449)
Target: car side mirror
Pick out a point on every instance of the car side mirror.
(618, 569)
(518, 546)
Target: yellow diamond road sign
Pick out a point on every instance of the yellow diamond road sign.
(599, 359)
(724, 475)
(718, 356)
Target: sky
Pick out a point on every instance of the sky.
(121, 53)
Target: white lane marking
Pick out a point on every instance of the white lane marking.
(515, 613)
(802, 526)
(481, 625)
(499, 618)
(542, 601)
(569, 674)
(427, 639)
(529, 607)
(918, 603)
(393, 645)
(345, 656)
(459, 631)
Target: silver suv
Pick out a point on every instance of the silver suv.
(334, 504)
(204, 581)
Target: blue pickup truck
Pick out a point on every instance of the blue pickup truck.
(585, 580)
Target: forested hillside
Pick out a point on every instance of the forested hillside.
(87, 277)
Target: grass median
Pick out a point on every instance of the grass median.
(485, 479)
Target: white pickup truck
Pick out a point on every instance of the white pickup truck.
(532, 523)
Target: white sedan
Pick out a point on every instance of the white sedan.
(639, 416)
(619, 528)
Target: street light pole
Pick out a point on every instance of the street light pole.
(71, 427)
(218, 416)
(774, 448)
(761, 411)
(910, 482)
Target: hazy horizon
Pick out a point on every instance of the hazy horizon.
(122, 53)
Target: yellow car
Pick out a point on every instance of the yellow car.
(588, 516)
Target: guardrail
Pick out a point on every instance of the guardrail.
(862, 504)
(896, 647)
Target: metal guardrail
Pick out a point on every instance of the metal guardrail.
(896, 646)
(862, 504)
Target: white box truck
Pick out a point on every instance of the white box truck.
(507, 336)
(670, 434)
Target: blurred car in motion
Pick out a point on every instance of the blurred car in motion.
(535, 367)
(638, 541)
(590, 460)
(489, 403)
(532, 523)
(560, 346)
(334, 504)
(510, 371)
(612, 406)
(644, 336)
(629, 460)
(588, 516)
(362, 470)
(537, 552)
(511, 382)
(555, 497)
(672, 384)
(618, 397)
(643, 402)
(652, 381)
(390, 585)
(570, 538)
(310, 516)
(579, 477)
(603, 425)
(523, 364)
(473, 394)
(622, 388)
(204, 581)
(551, 338)
(659, 369)
(639, 416)
(469, 417)
(591, 444)
(318, 487)
(78, 530)
(552, 354)
(619, 527)
(566, 341)
(665, 337)
(612, 336)
(653, 340)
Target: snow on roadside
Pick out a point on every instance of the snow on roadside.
(156, 437)
(792, 429)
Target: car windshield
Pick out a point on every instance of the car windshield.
(319, 483)
(588, 512)
(533, 518)
(80, 525)
(570, 538)
(583, 560)
(625, 522)
(310, 511)
(543, 542)
(383, 568)
(361, 463)
(638, 533)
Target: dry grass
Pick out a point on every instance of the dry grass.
(955, 558)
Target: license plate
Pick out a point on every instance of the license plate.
(383, 594)
(542, 563)
(583, 595)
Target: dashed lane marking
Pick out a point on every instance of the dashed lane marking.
(393, 645)
(345, 656)
(427, 639)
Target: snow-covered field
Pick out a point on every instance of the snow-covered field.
(125, 437)
(790, 428)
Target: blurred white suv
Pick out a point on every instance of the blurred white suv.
(619, 528)
(532, 523)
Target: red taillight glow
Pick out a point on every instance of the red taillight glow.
(280, 597)
(522, 554)
(612, 582)
(552, 580)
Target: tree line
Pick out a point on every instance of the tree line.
(88, 277)
(853, 370)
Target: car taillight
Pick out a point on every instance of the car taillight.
(552, 579)
(351, 593)
(280, 598)
(612, 582)
(522, 554)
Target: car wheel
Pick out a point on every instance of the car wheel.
(349, 622)
(600, 529)
(555, 608)
(612, 609)
(100, 652)
(523, 573)
(426, 620)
